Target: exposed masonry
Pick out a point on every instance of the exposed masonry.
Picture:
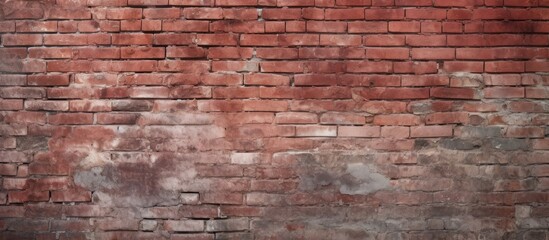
(274, 119)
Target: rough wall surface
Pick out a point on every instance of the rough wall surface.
(274, 119)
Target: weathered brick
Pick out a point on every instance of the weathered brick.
(479, 132)
(261, 119)
(366, 131)
(237, 224)
(316, 131)
(184, 226)
(431, 131)
(397, 119)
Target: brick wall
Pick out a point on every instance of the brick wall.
(274, 119)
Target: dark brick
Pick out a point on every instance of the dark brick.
(460, 144)
(510, 144)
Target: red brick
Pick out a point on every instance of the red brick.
(369, 67)
(130, 25)
(384, 40)
(325, 26)
(13, 157)
(388, 53)
(524, 132)
(423, 13)
(305, 92)
(240, 13)
(237, 26)
(20, 92)
(48, 80)
(395, 132)
(461, 66)
(332, 52)
(222, 198)
(454, 93)
(425, 80)
(504, 67)
(142, 52)
(281, 14)
(28, 196)
(221, 79)
(36, 26)
(72, 195)
(460, 3)
(344, 14)
(363, 132)
(70, 119)
(258, 40)
(313, 13)
(236, 3)
(88, 26)
(64, 13)
(161, 13)
(8, 169)
(339, 118)
(416, 3)
(523, 106)
(185, 26)
(21, 39)
(433, 53)
(296, 118)
(147, 2)
(11, 104)
(132, 39)
(537, 93)
(7, 26)
(541, 144)
(282, 67)
(295, 26)
(202, 13)
(295, 3)
(222, 39)
(394, 93)
(183, 66)
(339, 40)
(123, 13)
(404, 27)
(230, 53)
(266, 79)
(191, 2)
(447, 117)
(368, 27)
(504, 92)
(117, 118)
(235, 66)
(185, 52)
(90, 105)
(25, 117)
(187, 92)
(275, 27)
(51, 52)
(431, 27)
(384, 14)
(426, 40)
(316, 131)
(353, 2)
(173, 39)
(397, 119)
(431, 131)
(504, 79)
(276, 53)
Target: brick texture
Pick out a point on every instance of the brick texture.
(274, 119)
